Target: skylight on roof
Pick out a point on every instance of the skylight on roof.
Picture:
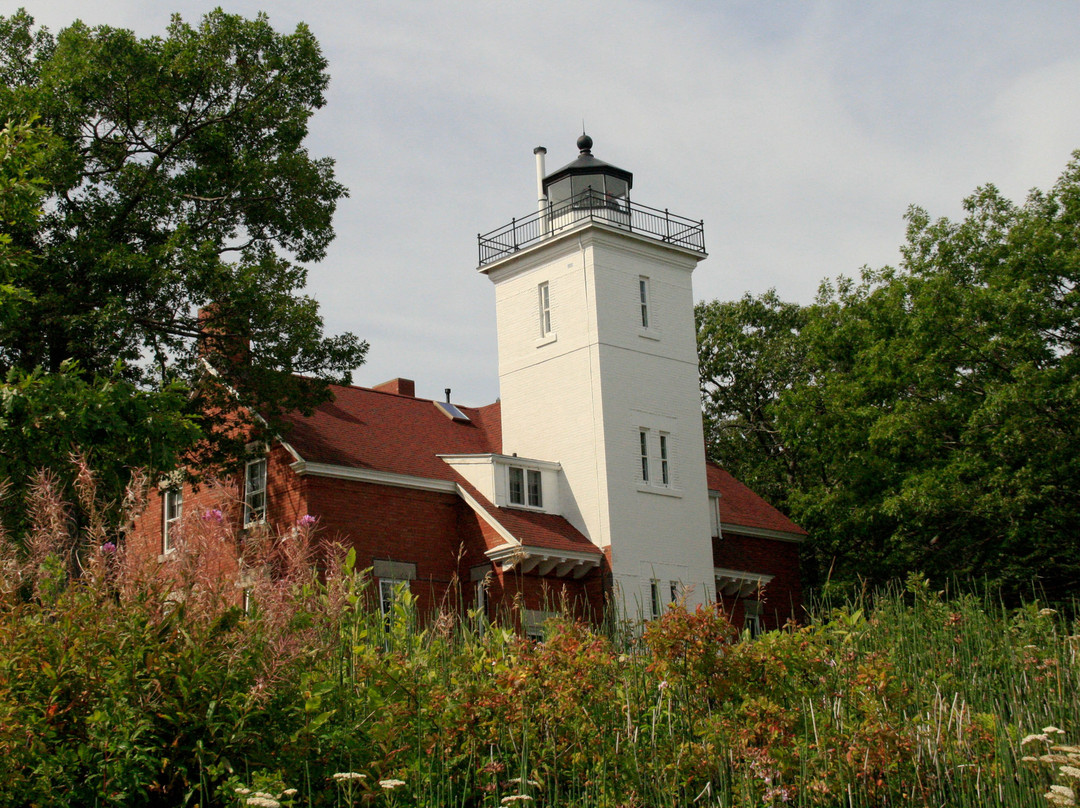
(451, 411)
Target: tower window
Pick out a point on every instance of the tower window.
(544, 295)
(643, 436)
(643, 293)
(665, 474)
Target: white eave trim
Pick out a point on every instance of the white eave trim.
(739, 582)
(305, 468)
(761, 532)
(543, 561)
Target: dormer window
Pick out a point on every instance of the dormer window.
(525, 487)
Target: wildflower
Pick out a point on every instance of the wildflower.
(342, 776)
(515, 798)
(289, 792)
(518, 781)
(243, 791)
(307, 520)
(1061, 795)
(1036, 737)
(662, 686)
(213, 515)
(108, 547)
(263, 802)
(1070, 771)
(390, 785)
(1054, 730)
(1047, 612)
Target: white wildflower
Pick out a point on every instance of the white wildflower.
(263, 802)
(243, 791)
(1054, 730)
(1047, 612)
(390, 785)
(264, 795)
(1070, 771)
(515, 798)
(1061, 795)
(341, 776)
(289, 792)
(1038, 737)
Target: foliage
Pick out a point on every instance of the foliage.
(925, 417)
(161, 180)
(128, 681)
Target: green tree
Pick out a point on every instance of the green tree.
(934, 420)
(174, 181)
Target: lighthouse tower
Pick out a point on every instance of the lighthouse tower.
(598, 373)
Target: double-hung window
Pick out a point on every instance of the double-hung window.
(544, 295)
(643, 436)
(643, 294)
(525, 487)
(174, 511)
(665, 473)
(255, 492)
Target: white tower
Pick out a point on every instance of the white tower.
(598, 372)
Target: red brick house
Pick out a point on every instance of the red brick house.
(585, 485)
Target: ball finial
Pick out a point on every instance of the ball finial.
(584, 142)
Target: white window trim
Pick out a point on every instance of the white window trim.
(665, 460)
(169, 525)
(248, 493)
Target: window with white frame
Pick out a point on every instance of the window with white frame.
(525, 487)
(643, 440)
(173, 508)
(674, 592)
(255, 492)
(643, 295)
(391, 591)
(544, 295)
(665, 471)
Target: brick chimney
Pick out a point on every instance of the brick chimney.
(401, 387)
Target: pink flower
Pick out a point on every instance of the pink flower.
(108, 547)
(214, 515)
(307, 520)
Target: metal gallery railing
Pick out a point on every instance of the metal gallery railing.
(597, 207)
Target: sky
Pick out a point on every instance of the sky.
(799, 131)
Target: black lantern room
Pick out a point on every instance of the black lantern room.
(588, 182)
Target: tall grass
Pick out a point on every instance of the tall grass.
(128, 681)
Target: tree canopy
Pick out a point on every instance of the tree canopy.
(925, 417)
(167, 209)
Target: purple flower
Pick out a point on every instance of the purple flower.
(214, 515)
(307, 520)
(108, 547)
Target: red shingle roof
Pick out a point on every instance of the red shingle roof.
(382, 431)
(741, 506)
(368, 429)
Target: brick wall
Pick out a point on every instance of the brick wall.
(782, 598)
